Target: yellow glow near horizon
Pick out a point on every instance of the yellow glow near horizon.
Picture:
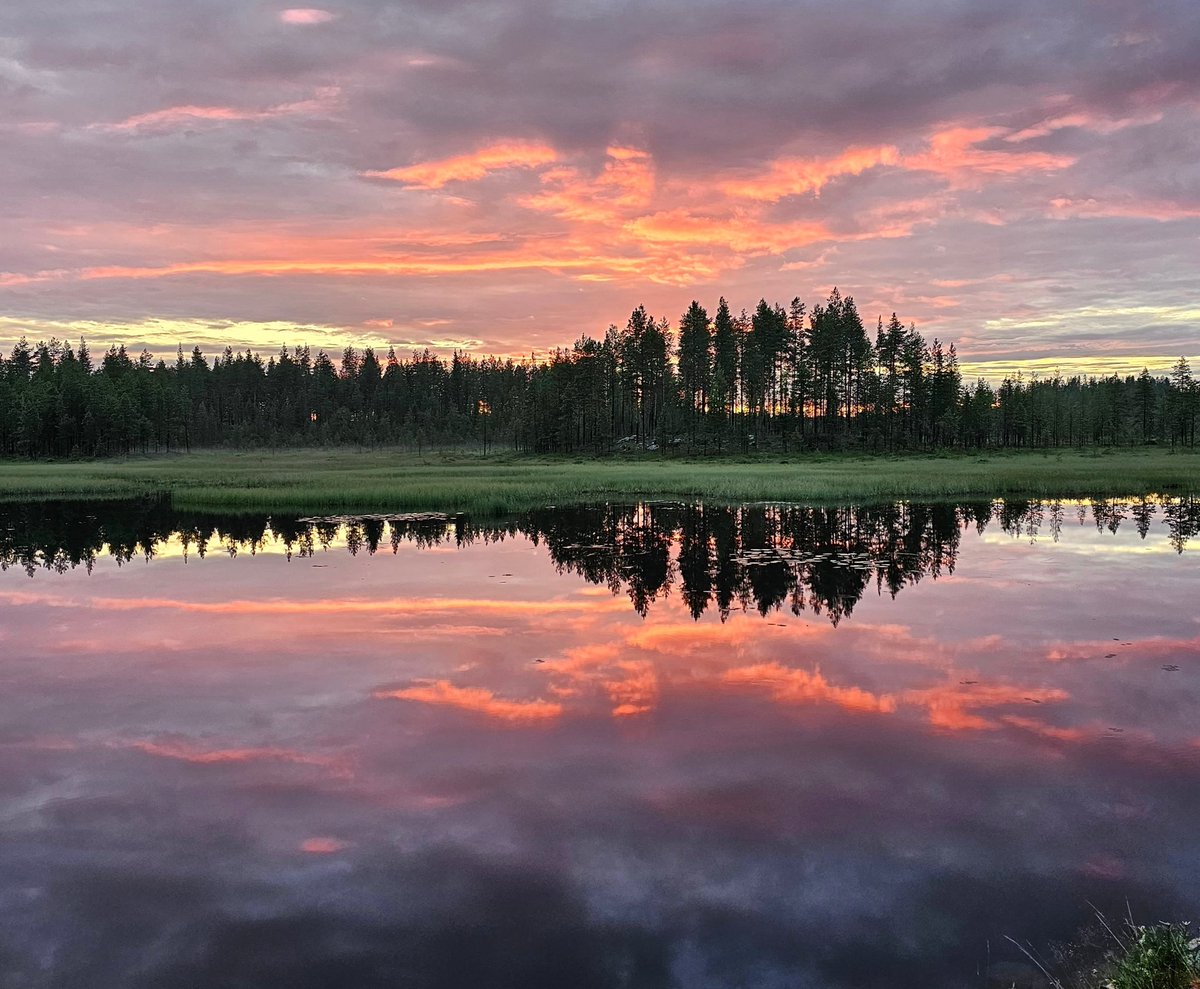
(1099, 365)
(164, 335)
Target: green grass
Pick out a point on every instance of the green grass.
(381, 480)
(1123, 956)
(1159, 957)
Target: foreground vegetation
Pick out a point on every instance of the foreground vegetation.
(1125, 956)
(374, 480)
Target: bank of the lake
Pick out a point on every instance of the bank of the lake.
(383, 480)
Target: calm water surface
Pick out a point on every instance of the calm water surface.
(655, 745)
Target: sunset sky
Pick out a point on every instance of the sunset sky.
(1021, 178)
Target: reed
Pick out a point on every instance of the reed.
(385, 480)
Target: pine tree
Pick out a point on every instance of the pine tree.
(695, 345)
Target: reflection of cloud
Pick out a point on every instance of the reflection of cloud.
(1156, 647)
(636, 692)
(477, 699)
(793, 686)
(786, 786)
(632, 685)
(306, 16)
(700, 638)
(186, 751)
(322, 846)
(953, 706)
(323, 606)
(1045, 730)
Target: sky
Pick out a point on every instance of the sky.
(504, 176)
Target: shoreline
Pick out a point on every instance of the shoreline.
(315, 480)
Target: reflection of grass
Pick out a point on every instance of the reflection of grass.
(316, 480)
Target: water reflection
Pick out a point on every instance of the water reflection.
(760, 557)
(429, 751)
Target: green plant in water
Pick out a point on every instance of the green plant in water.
(1123, 956)
(1162, 956)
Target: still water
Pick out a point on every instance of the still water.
(645, 745)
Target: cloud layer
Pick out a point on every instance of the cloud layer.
(510, 174)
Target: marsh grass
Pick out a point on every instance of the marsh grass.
(1164, 956)
(382, 480)
(1123, 955)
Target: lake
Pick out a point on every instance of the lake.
(641, 745)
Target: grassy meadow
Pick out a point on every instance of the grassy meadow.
(383, 481)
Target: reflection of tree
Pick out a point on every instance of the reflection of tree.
(696, 560)
(1143, 515)
(764, 557)
(646, 563)
(1108, 514)
(1182, 516)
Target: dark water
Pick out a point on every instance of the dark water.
(654, 745)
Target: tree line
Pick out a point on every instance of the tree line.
(778, 378)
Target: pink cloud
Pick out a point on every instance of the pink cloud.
(470, 167)
(955, 154)
(322, 845)
(306, 15)
(477, 699)
(186, 751)
(953, 706)
(794, 686)
(1084, 121)
(796, 176)
(1122, 206)
(189, 115)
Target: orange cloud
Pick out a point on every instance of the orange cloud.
(469, 167)
(1163, 210)
(190, 115)
(694, 639)
(632, 685)
(188, 752)
(611, 220)
(792, 686)
(624, 186)
(322, 846)
(742, 233)
(1085, 121)
(323, 606)
(417, 264)
(954, 154)
(1045, 730)
(477, 699)
(796, 176)
(952, 706)
(1158, 647)
(614, 221)
(634, 693)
